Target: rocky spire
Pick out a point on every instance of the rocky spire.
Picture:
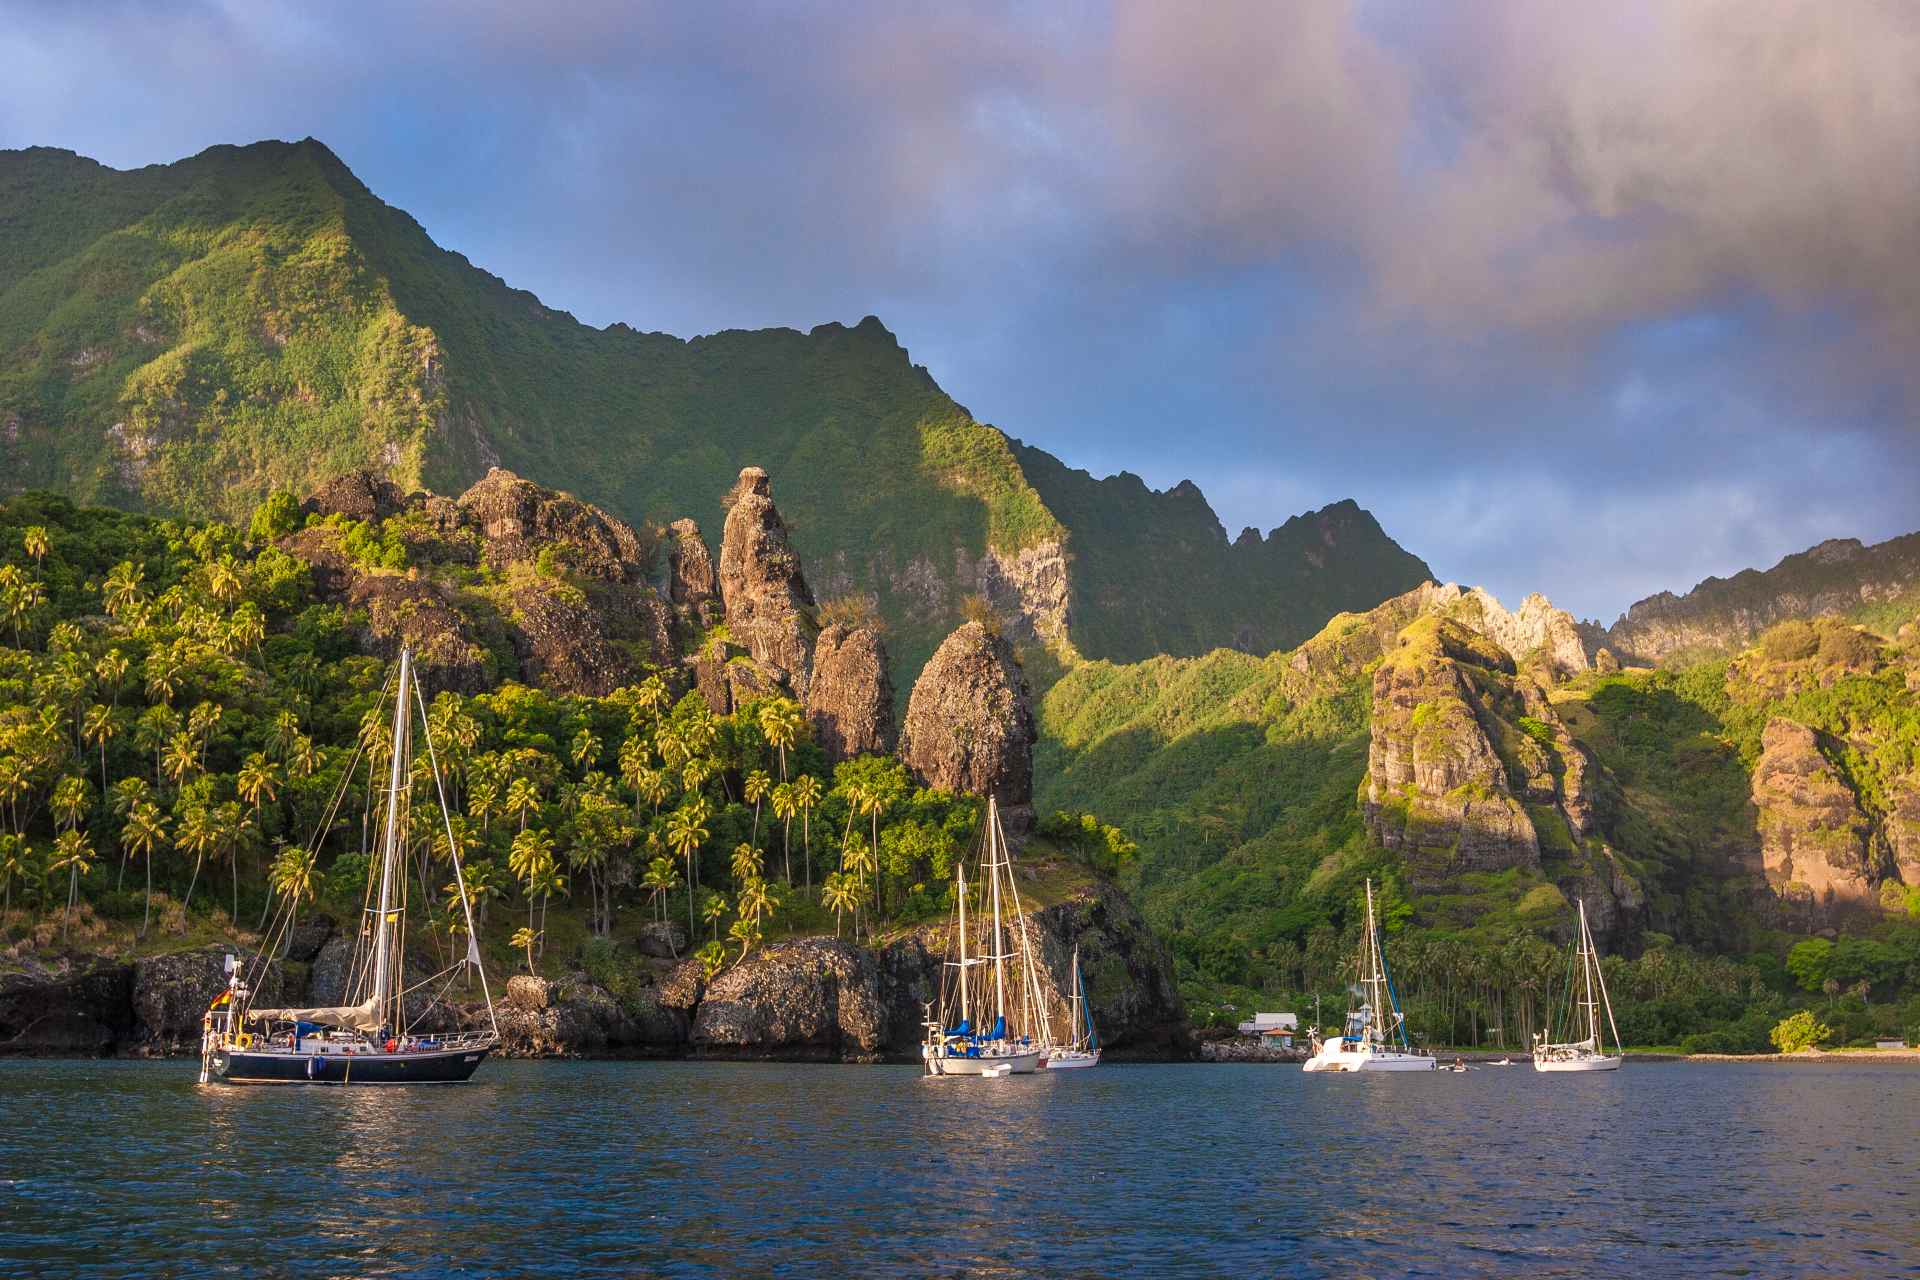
(850, 699)
(970, 722)
(690, 579)
(769, 607)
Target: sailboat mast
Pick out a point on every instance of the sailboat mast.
(1375, 979)
(994, 852)
(963, 944)
(383, 932)
(1586, 971)
(1073, 995)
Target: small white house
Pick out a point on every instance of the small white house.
(1271, 1024)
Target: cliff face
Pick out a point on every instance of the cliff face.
(1841, 577)
(1814, 838)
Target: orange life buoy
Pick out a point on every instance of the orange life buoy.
(392, 1045)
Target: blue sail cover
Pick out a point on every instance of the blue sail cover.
(964, 1029)
(1086, 1011)
(999, 1031)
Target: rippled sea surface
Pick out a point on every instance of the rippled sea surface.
(559, 1169)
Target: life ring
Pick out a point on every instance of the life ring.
(393, 1046)
(244, 1040)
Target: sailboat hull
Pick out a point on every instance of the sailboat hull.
(1367, 1059)
(985, 1064)
(447, 1066)
(1072, 1059)
(1576, 1064)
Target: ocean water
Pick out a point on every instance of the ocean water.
(695, 1169)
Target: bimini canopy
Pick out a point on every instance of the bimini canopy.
(359, 1017)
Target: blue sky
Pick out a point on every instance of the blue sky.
(1590, 303)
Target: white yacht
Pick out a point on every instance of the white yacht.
(1587, 996)
(1375, 1035)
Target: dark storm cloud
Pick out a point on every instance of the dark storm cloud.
(1593, 300)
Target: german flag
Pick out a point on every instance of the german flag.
(219, 1000)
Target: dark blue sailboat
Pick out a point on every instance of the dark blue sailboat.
(370, 1040)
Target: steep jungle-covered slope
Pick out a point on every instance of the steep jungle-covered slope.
(187, 338)
(1432, 744)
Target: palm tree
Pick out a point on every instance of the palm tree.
(781, 721)
(586, 748)
(840, 896)
(755, 790)
(746, 933)
(14, 865)
(859, 862)
(232, 829)
(650, 695)
(653, 787)
(662, 878)
(547, 881)
(182, 760)
(784, 808)
(524, 940)
(713, 907)
(806, 794)
(144, 832)
(72, 797)
(523, 800)
(73, 854)
(127, 793)
(111, 672)
(296, 875)
(747, 863)
(196, 835)
(258, 781)
(121, 590)
(529, 858)
(100, 727)
(686, 832)
(34, 537)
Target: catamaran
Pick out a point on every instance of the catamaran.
(976, 979)
(368, 1040)
(1375, 1035)
(1083, 1044)
(1588, 1054)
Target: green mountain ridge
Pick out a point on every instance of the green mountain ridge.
(1876, 585)
(187, 338)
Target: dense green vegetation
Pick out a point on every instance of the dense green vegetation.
(1239, 779)
(185, 738)
(188, 338)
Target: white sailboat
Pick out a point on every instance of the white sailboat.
(1083, 1046)
(1375, 1035)
(1015, 1041)
(1590, 1053)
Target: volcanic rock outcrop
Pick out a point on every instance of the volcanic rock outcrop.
(692, 585)
(1814, 838)
(970, 723)
(1436, 788)
(581, 608)
(850, 698)
(769, 607)
(518, 519)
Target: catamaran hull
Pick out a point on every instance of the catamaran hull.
(1349, 1062)
(449, 1066)
(986, 1064)
(1577, 1064)
(1071, 1061)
